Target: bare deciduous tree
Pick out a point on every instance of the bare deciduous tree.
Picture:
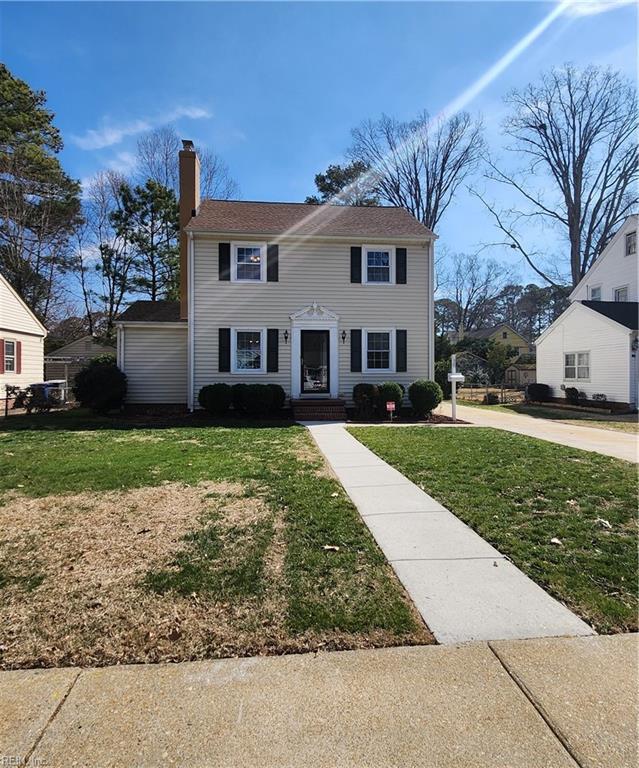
(419, 164)
(473, 287)
(577, 132)
(157, 159)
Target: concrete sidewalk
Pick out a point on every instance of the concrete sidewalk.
(619, 445)
(463, 587)
(526, 704)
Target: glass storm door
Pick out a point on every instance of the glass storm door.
(315, 367)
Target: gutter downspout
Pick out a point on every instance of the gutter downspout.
(431, 311)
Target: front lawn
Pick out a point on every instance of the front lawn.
(520, 494)
(173, 541)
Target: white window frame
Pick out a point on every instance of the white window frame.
(594, 288)
(577, 366)
(620, 288)
(391, 356)
(234, 277)
(248, 371)
(391, 253)
(8, 356)
(628, 239)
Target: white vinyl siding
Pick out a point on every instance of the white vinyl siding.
(31, 360)
(154, 359)
(609, 355)
(309, 271)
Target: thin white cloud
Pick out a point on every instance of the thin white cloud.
(110, 133)
(593, 7)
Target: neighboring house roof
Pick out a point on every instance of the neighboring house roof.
(622, 312)
(246, 217)
(23, 303)
(151, 312)
(523, 366)
(78, 346)
(633, 219)
(486, 333)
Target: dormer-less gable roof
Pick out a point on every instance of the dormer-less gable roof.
(14, 307)
(626, 227)
(301, 219)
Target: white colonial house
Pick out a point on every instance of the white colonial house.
(21, 341)
(314, 298)
(593, 345)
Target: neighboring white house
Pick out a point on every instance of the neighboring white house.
(21, 341)
(593, 345)
(65, 362)
(314, 298)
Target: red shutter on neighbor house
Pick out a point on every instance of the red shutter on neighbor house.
(1, 355)
(18, 357)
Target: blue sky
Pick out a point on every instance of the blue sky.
(275, 88)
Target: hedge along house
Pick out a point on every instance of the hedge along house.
(314, 298)
(21, 341)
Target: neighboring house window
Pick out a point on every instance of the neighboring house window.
(248, 350)
(249, 263)
(504, 334)
(379, 264)
(595, 293)
(621, 294)
(631, 243)
(577, 365)
(378, 350)
(9, 357)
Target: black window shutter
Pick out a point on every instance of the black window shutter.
(400, 265)
(272, 350)
(356, 350)
(224, 258)
(356, 264)
(272, 263)
(400, 351)
(224, 349)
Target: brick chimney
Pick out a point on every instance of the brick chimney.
(189, 203)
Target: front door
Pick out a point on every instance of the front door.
(315, 361)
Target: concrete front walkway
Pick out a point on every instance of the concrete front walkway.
(462, 586)
(555, 703)
(620, 445)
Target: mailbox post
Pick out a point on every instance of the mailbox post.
(454, 378)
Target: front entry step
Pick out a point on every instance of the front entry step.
(318, 409)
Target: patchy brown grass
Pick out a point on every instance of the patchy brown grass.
(74, 591)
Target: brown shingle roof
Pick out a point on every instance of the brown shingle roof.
(151, 312)
(254, 218)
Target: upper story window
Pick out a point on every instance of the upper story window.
(378, 264)
(621, 294)
(249, 263)
(595, 293)
(577, 365)
(9, 356)
(378, 350)
(631, 243)
(504, 334)
(248, 350)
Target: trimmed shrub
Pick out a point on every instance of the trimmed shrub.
(389, 390)
(100, 385)
(258, 399)
(442, 369)
(215, 398)
(424, 396)
(279, 397)
(572, 395)
(365, 397)
(238, 397)
(538, 393)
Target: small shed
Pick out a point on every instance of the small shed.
(520, 375)
(65, 362)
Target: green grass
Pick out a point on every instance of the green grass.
(520, 493)
(619, 422)
(350, 589)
